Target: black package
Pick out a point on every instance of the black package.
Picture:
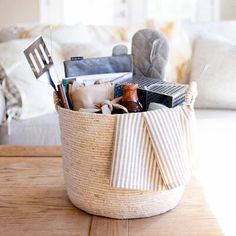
(158, 91)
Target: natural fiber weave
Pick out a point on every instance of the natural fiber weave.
(87, 144)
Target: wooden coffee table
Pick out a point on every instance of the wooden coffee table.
(33, 201)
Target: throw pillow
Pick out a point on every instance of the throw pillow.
(11, 54)
(180, 52)
(35, 97)
(90, 50)
(10, 33)
(77, 33)
(214, 70)
(10, 97)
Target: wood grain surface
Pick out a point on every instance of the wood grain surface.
(29, 151)
(33, 201)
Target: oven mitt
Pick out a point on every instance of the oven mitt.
(150, 51)
(90, 96)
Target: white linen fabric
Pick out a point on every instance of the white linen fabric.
(214, 69)
(153, 150)
(170, 131)
(133, 163)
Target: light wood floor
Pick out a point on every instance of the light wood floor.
(33, 201)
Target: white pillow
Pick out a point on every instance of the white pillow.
(71, 33)
(90, 50)
(11, 54)
(36, 96)
(104, 34)
(10, 33)
(77, 33)
(214, 70)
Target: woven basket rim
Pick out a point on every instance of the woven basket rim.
(108, 115)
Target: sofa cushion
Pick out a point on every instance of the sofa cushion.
(10, 33)
(90, 50)
(41, 130)
(214, 69)
(77, 33)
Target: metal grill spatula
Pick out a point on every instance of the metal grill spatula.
(39, 59)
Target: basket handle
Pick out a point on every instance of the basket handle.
(191, 94)
(56, 100)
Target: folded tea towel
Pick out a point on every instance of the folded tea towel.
(134, 164)
(153, 150)
(171, 133)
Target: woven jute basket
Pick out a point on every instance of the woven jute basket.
(87, 144)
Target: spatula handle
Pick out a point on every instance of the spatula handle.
(51, 81)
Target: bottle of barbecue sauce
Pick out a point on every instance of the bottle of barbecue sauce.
(130, 98)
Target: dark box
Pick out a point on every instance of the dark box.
(158, 91)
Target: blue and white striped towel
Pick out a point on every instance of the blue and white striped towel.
(152, 150)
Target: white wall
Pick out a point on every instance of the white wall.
(228, 9)
(126, 11)
(207, 10)
(51, 11)
(19, 11)
(137, 11)
(98, 12)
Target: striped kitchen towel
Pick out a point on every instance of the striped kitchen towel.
(152, 150)
(134, 164)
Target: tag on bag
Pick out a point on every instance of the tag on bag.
(101, 65)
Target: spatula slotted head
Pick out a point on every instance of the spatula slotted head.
(38, 57)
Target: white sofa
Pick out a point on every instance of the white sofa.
(98, 41)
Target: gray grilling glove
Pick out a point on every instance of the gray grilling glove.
(150, 53)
